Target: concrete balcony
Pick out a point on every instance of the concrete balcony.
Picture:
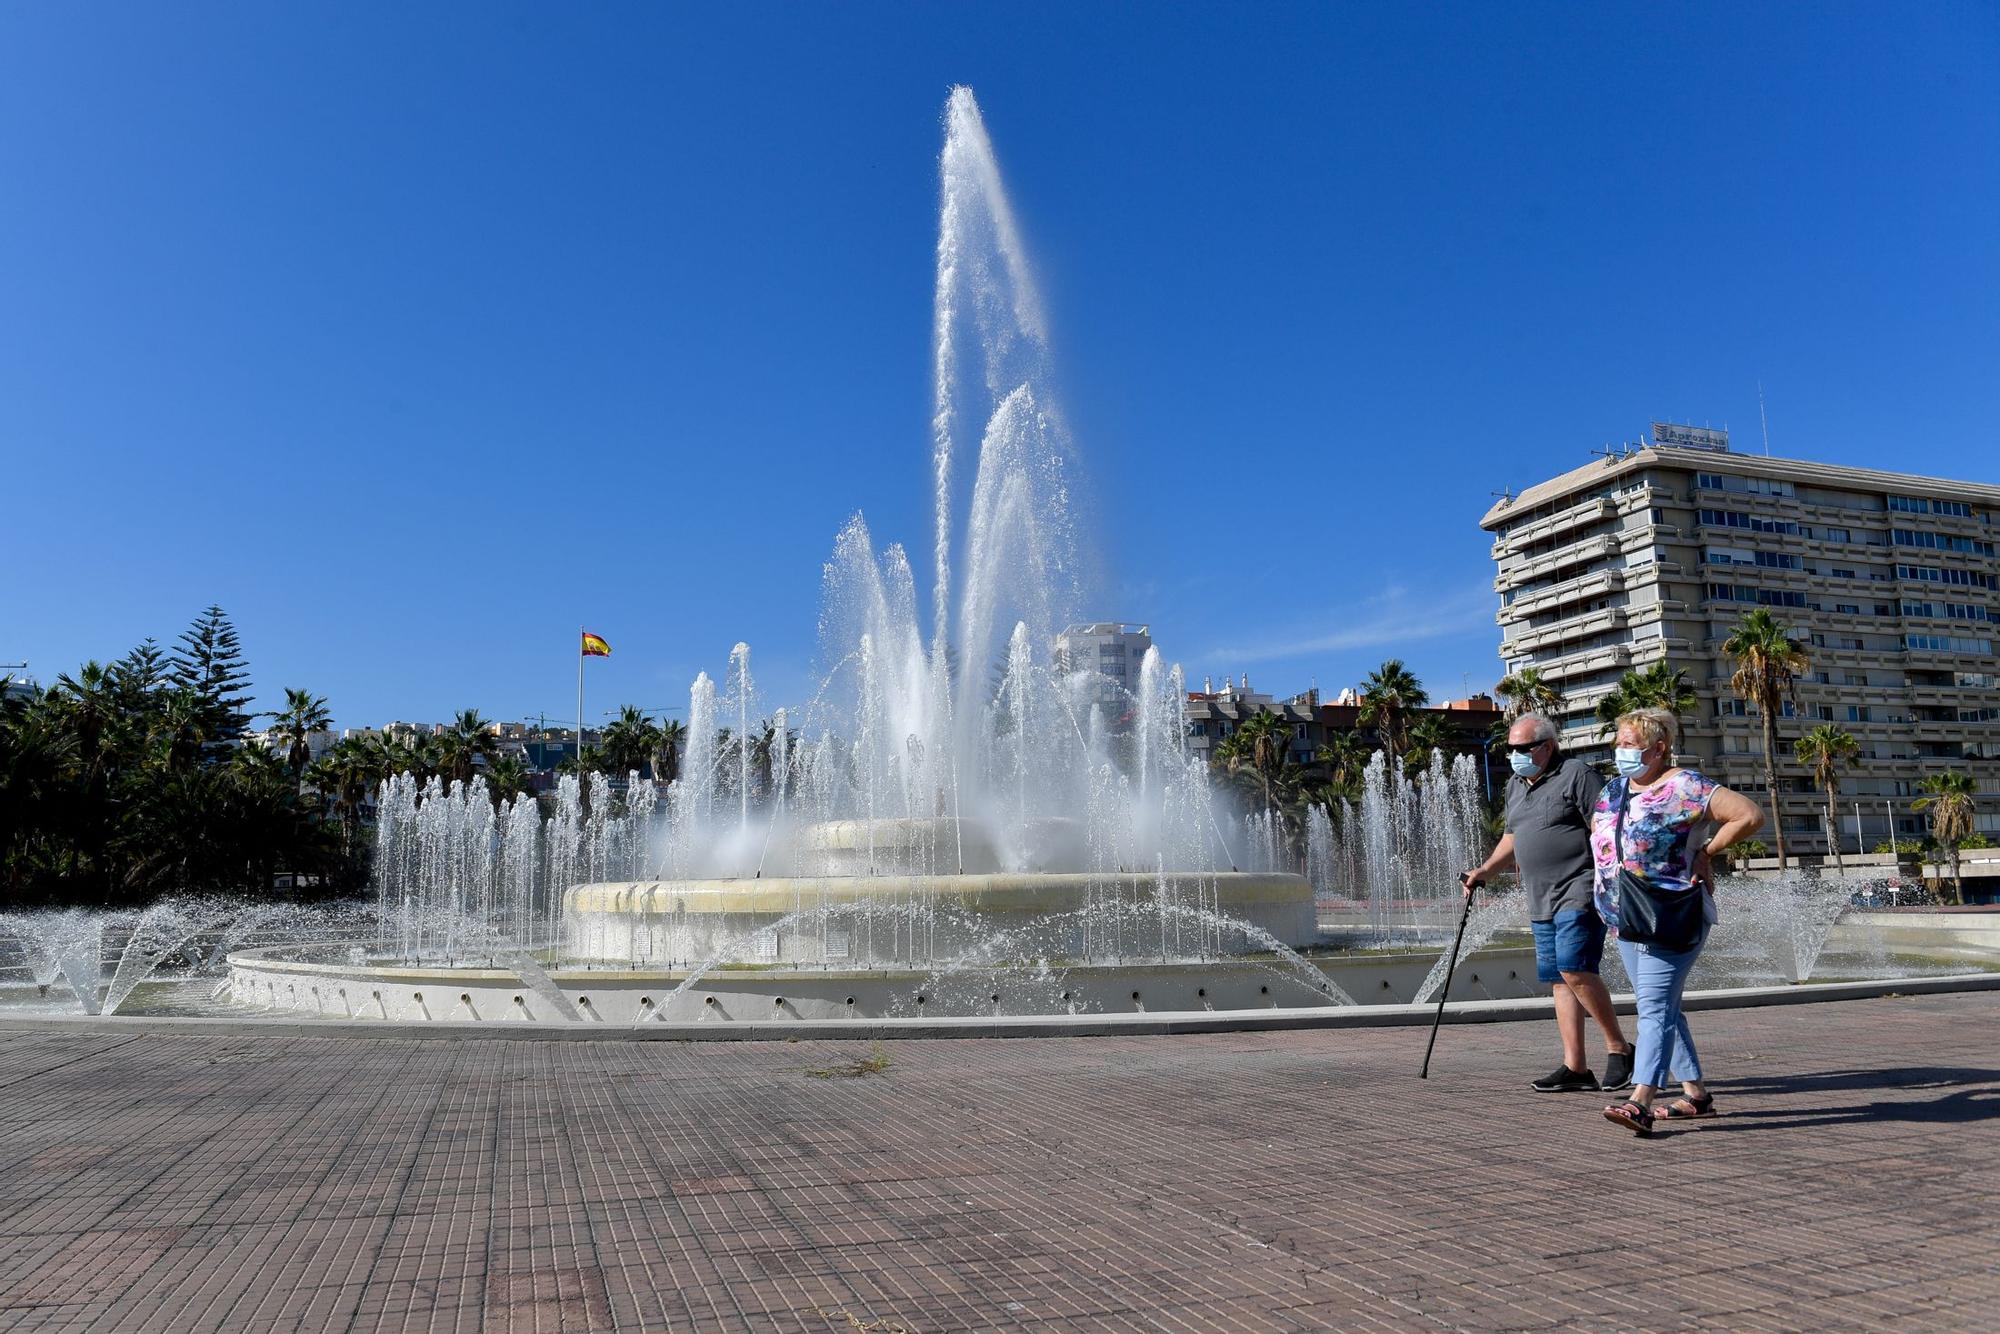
(1577, 553)
(1576, 627)
(1594, 510)
(1597, 583)
(1590, 660)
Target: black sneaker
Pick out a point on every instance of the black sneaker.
(1617, 1071)
(1566, 1080)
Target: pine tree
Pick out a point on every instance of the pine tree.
(209, 663)
(140, 672)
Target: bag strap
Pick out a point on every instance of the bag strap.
(1619, 802)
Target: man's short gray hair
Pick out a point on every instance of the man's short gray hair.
(1544, 729)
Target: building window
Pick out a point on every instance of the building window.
(1929, 541)
(1948, 644)
(1859, 713)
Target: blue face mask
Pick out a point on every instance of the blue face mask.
(1631, 762)
(1524, 764)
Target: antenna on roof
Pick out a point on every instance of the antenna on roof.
(1505, 496)
(1762, 418)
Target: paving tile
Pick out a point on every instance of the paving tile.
(1260, 1181)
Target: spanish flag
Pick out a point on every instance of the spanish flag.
(594, 646)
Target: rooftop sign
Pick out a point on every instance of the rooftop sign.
(1690, 437)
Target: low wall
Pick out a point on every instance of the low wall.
(265, 979)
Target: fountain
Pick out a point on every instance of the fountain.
(958, 821)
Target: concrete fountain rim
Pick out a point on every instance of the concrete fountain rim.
(1156, 1023)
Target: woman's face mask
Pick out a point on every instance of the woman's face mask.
(1632, 761)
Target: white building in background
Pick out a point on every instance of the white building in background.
(1114, 649)
(317, 743)
(1890, 579)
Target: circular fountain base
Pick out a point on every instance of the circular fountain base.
(281, 981)
(920, 921)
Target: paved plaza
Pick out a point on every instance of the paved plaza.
(1228, 1181)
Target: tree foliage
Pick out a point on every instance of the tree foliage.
(124, 781)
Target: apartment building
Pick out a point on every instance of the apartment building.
(1655, 551)
(1114, 649)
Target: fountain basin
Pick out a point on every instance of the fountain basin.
(290, 981)
(903, 920)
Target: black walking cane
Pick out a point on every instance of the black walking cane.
(1445, 988)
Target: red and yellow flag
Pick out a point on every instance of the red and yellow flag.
(594, 646)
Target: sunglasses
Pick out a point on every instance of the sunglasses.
(1525, 747)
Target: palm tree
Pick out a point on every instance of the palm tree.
(303, 715)
(1346, 754)
(1427, 734)
(506, 778)
(1824, 750)
(469, 739)
(630, 741)
(1258, 754)
(763, 749)
(1769, 663)
(1660, 686)
(1949, 799)
(667, 756)
(1528, 691)
(1388, 696)
(343, 776)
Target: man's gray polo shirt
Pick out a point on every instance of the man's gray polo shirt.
(1550, 822)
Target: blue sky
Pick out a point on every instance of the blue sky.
(417, 335)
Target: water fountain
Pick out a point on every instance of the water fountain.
(956, 822)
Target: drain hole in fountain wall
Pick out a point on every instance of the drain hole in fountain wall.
(922, 999)
(705, 1000)
(466, 997)
(995, 998)
(1263, 991)
(850, 1000)
(1201, 991)
(778, 1001)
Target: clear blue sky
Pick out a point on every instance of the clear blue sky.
(417, 335)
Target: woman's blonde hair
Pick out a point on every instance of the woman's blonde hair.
(1652, 725)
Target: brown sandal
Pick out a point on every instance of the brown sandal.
(1635, 1118)
(1689, 1109)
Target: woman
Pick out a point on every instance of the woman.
(1645, 825)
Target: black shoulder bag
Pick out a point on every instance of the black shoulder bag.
(1647, 916)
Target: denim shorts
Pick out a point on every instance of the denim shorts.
(1572, 943)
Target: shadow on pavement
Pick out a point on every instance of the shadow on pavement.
(1975, 1096)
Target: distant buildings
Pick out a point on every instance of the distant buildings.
(1892, 581)
(1214, 715)
(1112, 648)
(317, 743)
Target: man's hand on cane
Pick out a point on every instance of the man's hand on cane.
(1470, 880)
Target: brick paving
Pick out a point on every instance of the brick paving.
(1230, 1181)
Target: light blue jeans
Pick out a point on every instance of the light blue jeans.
(1665, 1047)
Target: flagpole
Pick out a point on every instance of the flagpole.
(579, 703)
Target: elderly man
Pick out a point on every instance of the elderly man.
(1549, 805)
